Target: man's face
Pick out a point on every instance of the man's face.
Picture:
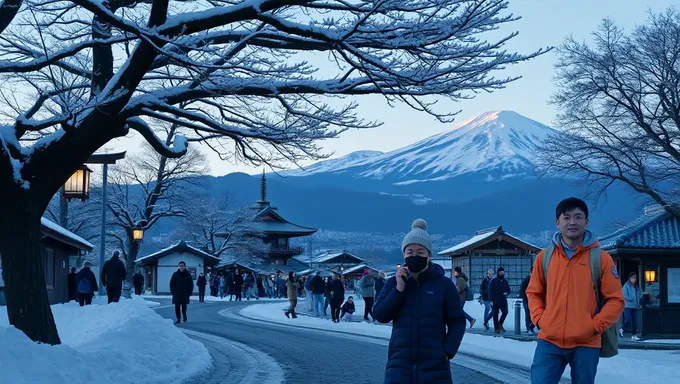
(455, 273)
(572, 224)
(416, 250)
(489, 274)
(182, 267)
(350, 300)
(501, 273)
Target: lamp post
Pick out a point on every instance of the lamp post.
(138, 233)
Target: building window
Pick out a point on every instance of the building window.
(49, 267)
(673, 278)
(651, 278)
(282, 242)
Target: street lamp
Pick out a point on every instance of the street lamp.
(78, 185)
(650, 276)
(137, 234)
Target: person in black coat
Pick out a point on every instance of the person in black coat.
(72, 285)
(327, 295)
(86, 284)
(525, 303)
(499, 289)
(181, 287)
(201, 282)
(484, 298)
(379, 283)
(336, 291)
(318, 289)
(237, 285)
(428, 322)
(112, 277)
(138, 283)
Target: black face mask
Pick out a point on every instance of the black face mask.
(501, 276)
(416, 264)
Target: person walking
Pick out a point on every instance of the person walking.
(423, 305)
(484, 298)
(181, 288)
(292, 288)
(632, 294)
(379, 283)
(327, 295)
(237, 285)
(138, 282)
(367, 284)
(463, 288)
(499, 289)
(201, 282)
(318, 289)
(525, 303)
(72, 285)
(112, 277)
(308, 292)
(564, 295)
(87, 284)
(336, 291)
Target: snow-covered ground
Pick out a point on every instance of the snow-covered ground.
(119, 343)
(207, 298)
(629, 366)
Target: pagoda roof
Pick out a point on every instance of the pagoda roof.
(482, 237)
(657, 229)
(269, 221)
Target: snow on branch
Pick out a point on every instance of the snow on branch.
(178, 149)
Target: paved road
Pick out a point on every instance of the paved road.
(308, 356)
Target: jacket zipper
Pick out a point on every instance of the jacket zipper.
(415, 364)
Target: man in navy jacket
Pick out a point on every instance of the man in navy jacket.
(428, 322)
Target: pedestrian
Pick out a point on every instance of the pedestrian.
(237, 285)
(229, 288)
(348, 309)
(632, 294)
(214, 284)
(87, 284)
(112, 277)
(337, 296)
(260, 287)
(525, 303)
(367, 284)
(499, 289)
(318, 289)
(223, 286)
(292, 288)
(564, 296)
(327, 295)
(484, 298)
(428, 322)
(138, 282)
(72, 285)
(201, 283)
(248, 282)
(379, 283)
(463, 291)
(181, 288)
(308, 292)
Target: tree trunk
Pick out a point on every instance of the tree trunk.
(133, 251)
(28, 307)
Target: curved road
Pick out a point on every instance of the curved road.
(316, 356)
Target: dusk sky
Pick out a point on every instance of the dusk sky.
(544, 23)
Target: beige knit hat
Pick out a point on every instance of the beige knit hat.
(418, 235)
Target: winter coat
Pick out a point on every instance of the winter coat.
(318, 286)
(201, 282)
(523, 288)
(337, 291)
(181, 287)
(347, 307)
(428, 324)
(367, 285)
(292, 288)
(461, 285)
(484, 289)
(72, 284)
(632, 294)
(379, 284)
(497, 288)
(87, 274)
(137, 280)
(308, 284)
(327, 292)
(237, 282)
(113, 273)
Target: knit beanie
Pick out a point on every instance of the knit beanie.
(500, 269)
(418, 235)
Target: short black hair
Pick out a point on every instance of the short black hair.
(458, 269)
(570, 204)
(350, 298)
(181, 262)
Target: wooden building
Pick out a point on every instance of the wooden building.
(58, 244)
(489, 249)
(159, 266)
(336, 261)
(650, 247)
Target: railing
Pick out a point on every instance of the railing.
(287, 250)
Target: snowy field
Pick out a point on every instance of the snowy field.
(119, 343)
(207, 298)
(628, 367)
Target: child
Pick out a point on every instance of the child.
(347, 309)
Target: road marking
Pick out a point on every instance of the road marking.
(261, 368)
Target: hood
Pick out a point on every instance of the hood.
(588, 240)
(463, 275)
(433, 271)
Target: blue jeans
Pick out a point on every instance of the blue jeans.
(527, 315)
(462, 305)
(318, 303)
(308, 294)
(550, 361)
(630, 315)
(487, 312)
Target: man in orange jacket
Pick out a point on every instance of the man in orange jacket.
(566, 310)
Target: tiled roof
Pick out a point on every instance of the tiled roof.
(659, 230)
(182, 246)
(479, 237)
(326, 256)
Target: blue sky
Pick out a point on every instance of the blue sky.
(544, 23)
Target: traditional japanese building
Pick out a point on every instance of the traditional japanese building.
(650, 247)
(489, 249)
(337, 261)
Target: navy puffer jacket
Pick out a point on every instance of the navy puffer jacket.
(428, 326)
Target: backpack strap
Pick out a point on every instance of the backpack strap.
(596, 273)
(547, 256)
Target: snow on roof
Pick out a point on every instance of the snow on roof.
(653, 230)
(326, 256)
(65, 234)
(179, 247)
(480, 236)
(357, 268)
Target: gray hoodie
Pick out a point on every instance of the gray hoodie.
(588, 240)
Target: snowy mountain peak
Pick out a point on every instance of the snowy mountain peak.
(331, 165)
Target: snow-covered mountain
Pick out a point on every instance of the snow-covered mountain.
(498, 144)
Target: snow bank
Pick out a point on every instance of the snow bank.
(119, 343)
(207, 298)
(629, 366)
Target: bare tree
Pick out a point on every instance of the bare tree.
(147, 188)
(619, 102)
(223, 230)
(78, 74)
(83, 218)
